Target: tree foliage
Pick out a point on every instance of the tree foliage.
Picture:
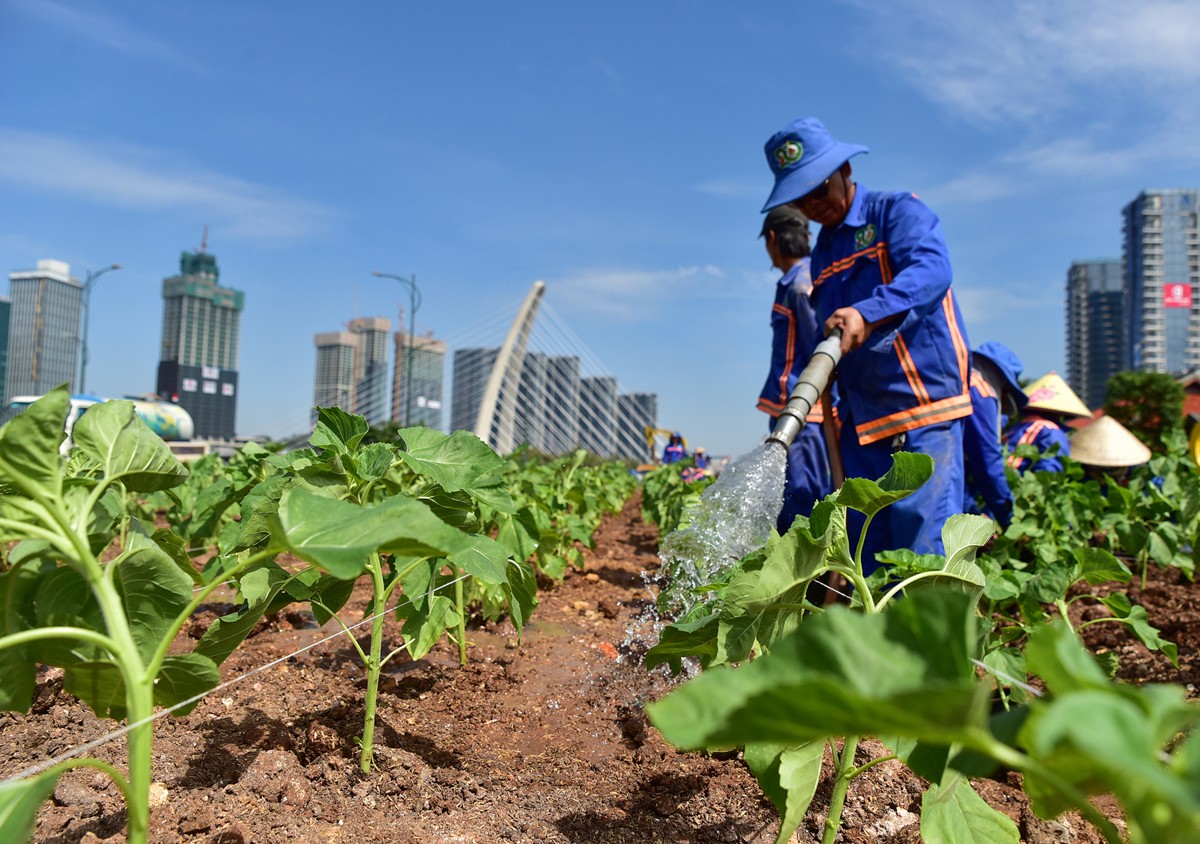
(1150, 404)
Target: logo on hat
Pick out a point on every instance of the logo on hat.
(789, 153)
(865, 236)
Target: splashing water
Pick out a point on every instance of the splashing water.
(735, 516)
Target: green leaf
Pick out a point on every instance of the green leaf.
(258, 510)
(906, 672)
(521, 590)
(483, 558)
(64, 599)
(258, 587)
(952, 813)
(18, 586)
(174, 547)
(1139, 623)
(19, 804)
(372, 462)
(29, 444)
(519, 533)
(99, 684)
(1098, 566)
(116, 438)
(426, 614)
(1056, 655)
(696, 638)
(909, 473)
(788, 776)
(340, 536)
(460, 461)
(182, 677)
(338, 430)
(154, 590)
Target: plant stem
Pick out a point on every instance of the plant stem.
(841, 784)
(462, 616)
(374, 663)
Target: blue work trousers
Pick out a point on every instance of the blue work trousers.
(914, 522)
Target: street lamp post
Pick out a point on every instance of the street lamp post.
(414, 301)
(87, 307)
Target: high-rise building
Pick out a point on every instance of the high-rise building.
(335, 384)
(5, 313)
(598, 414)
(43, 331)
(635, 412)
(562, 404)
(199, 357)
(428, 381)
(530, 423)
(371, 367)
(472, 367)
(1162, 272)
(1095, 327)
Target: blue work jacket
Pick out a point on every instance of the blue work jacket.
(888, 260)
(794, 335)
(983, 453)
(1043, 433)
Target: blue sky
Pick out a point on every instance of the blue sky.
(613, 150)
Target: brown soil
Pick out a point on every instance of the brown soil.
(538, 741)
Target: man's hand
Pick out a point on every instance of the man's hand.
(855, 329)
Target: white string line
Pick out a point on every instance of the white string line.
(45, 765)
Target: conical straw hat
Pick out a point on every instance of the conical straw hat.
(1050, 392)
(1108, 443)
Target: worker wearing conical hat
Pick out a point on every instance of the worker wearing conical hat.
(1043, 424)
(1107, 444)
(995, 396)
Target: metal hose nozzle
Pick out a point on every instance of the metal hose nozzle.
(807, 392)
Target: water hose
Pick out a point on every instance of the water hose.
(807, 392)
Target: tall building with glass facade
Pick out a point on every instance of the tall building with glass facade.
(635, 412)
(199, 355)
(428, 381)
(5, 313)
(1096, 345)
(334, 382)
(598, 414)
(371, 368)
(1162, 278)
(43, 329)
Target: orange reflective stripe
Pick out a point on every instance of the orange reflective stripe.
(910, 370)
(960, 345)
(814, 415)
(981, 384)
(789, 359)
(879, 250)
(1027, 438)
(943, 410)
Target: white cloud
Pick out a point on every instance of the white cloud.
(103, 30)
(634, 295)
(992, 63)
(989, 304)
(147, 180)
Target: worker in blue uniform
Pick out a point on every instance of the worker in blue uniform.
(996, 396)
(674, 450)
(1044, 423)
(881, 274)
(794, 334)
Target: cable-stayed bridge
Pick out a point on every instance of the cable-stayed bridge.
(522, 377)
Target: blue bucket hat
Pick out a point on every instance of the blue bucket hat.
(802, 155)
(1008, 365)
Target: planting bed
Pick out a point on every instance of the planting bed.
(538, 741)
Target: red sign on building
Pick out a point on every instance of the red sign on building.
(1177, 295)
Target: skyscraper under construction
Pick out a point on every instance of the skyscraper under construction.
(199, 356)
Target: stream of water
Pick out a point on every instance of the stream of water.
(735, 516)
